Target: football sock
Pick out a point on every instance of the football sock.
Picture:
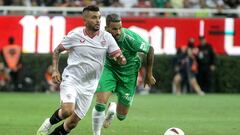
(100, 107)
(97, 121)
(59, 131)
(55, 118)
(121, 117)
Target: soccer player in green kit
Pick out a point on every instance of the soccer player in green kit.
(120, 79)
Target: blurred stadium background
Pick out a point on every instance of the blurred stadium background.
(39, 25)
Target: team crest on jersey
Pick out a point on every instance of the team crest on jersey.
(82, 40)
(103, 43)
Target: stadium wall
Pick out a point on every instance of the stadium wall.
(41, 34)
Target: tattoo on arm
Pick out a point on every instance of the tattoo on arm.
(55, 56)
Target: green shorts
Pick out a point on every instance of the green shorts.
(124, 86)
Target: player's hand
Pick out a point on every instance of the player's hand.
(56, 77)
(121, 60)
(150, 80)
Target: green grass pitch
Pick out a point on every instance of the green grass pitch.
(214, 114)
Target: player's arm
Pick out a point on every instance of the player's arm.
(150, 80)
(140, 45)
(118, 57)
(55, 58)
(115, 52)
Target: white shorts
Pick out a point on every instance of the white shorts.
(71, 93)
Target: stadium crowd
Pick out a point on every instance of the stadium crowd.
(196, 4)
(220, 5)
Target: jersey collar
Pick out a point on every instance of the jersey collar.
(87, 34)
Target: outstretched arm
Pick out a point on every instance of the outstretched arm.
(150, 80)
(55, 58)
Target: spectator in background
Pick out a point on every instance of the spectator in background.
(12, 57)
(164, 4)
(116, 3)
(191, 4)
(204, 12)
(233, 4)
(194, 4)
(51, 86)
(129, 3)
(185, 70)
(214, 4)
(4, 77)
(45, 2)
(143, 4)
(206, 61)
(160, 3)
(168, 14)
(177, 3)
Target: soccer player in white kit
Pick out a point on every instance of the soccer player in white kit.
(87, 49)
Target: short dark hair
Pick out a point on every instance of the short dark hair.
(112, 18)
(91, 8)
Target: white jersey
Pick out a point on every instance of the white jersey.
(87, 57)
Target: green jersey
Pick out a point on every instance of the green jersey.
(130, 43)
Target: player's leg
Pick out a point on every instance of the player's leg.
(106, 85)
(65, 111)
(68, 96)
(120, 110)
(98, 113)
(177, 84)
(83, 103)
(70, 123)
(196, 86)
(125, 90)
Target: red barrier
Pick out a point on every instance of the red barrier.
(42, 34)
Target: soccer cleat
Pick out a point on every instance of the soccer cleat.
(110, 114)
(45, 127)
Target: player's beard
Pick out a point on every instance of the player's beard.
(117, 37)
(92, 27)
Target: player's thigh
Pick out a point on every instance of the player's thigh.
(83, 103)
(68, 95)
(126, 90)
(106, 86)
(107, 82)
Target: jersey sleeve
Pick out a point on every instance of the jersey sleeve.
(137, 43)
(113, 49)
(69, 40)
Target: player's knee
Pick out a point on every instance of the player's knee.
(121, 117)
(100, 107)
(66, 113)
